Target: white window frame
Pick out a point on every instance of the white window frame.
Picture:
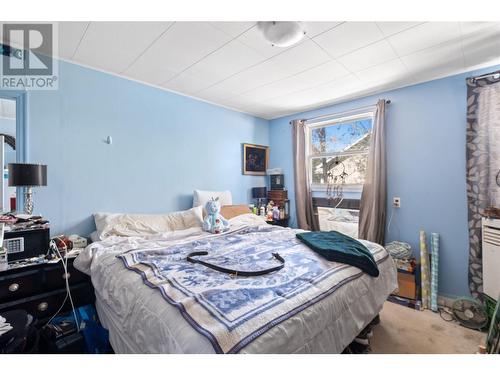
(364, 113)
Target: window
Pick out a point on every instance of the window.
(339, 147)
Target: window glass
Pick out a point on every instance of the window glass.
(342, 137)
(353, 165)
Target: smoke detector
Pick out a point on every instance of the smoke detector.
(282, 33)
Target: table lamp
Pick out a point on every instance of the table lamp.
(27, 176)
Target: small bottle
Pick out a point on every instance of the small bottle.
(262, 211)
(282, 213)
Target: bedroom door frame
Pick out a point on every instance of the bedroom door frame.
(21, 99)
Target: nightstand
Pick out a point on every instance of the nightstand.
(40, 289)
(280, 222)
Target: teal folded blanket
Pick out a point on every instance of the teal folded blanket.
(338, 247)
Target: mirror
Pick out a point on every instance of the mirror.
(8, 126)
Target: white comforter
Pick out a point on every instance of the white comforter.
(141, 321)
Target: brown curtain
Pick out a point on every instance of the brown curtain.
(306, 219)
(372, 211)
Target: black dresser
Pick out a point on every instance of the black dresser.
(40, 289)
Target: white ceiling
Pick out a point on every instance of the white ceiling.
(230, 63)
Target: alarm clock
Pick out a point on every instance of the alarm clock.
(277, 182)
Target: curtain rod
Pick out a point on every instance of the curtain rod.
(494, 75)
(388, 101)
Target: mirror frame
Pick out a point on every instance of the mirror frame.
(20, 97)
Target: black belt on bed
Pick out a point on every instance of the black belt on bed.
(235, 272)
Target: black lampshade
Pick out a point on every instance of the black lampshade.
(21, 174)
(259, 192)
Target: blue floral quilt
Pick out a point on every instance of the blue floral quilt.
(232, 311)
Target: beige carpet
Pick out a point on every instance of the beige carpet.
(406, 331)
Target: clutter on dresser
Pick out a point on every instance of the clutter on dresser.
(278, 196)
(260, 194)
(273, 205)
(24, 236)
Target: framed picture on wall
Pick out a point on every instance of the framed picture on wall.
(255, 159)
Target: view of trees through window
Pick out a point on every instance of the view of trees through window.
(340, 147)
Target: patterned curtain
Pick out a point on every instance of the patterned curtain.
(483, 165)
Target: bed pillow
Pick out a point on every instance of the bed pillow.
(200, 197)
(228, 212)
(128, 225)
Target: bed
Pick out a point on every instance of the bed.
(311, 306)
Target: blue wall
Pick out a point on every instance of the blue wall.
(164, 146)
(426, 167)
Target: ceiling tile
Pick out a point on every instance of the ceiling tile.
(294, 60)
(188, 84)
(349, 37)
(391, 28)
(424, 36)
(315, 28)
(468, 28)
(301, 57)
(482, 47)
(310, 78)
(386, 72)
(253, 38)
(115, 45)
(70, 34)
(253, 77)
(201, 59)
(326, 92)
(435, 61)
(182, 45)
(374, 54)
(233, 29)
(214, 94)
(237, 101)
(338, 88)
(226, 61)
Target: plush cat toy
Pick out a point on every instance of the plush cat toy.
(214, 222)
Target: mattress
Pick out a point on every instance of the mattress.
(139, 319)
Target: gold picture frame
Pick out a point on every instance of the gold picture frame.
(255, 159)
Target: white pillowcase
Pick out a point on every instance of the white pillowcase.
(200, 197)
(128, 225)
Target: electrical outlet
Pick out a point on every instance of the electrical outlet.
(396, 202)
